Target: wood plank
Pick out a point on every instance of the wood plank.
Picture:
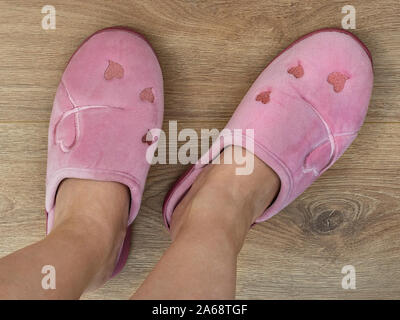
(376, 147)
(294, 255)
(210, 55)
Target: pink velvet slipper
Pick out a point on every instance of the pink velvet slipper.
(305, 109)
(110, 96)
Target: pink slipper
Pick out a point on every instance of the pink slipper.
(305, 108)
(110, 96)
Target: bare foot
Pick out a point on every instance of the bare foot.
(208, 229)
(221, 196)
(98, 212)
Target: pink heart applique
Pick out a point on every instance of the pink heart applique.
(147, 95)
(114, 70)
(263, 97)
(338, 80)
(297, 71)
(149, 138)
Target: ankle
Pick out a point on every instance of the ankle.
(216, 227)
(226, 202)
(105, 204)
(86, 240)
(96, 213)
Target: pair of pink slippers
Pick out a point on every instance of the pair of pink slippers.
(305, 109)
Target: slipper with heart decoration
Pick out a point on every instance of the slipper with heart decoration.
(100, 115)
(305, 108)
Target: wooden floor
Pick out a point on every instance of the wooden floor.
(210, 52)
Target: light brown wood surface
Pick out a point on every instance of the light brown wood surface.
(210, 52)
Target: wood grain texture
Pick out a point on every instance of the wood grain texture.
(210, 53)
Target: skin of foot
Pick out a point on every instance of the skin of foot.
(208, 229)
(90, 226)
(101, 210)
(238, 199)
